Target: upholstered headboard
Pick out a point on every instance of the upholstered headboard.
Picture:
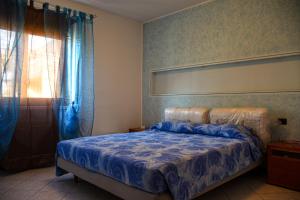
(195, 115)
(255, 118)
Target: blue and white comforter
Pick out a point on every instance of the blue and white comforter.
(181, 158)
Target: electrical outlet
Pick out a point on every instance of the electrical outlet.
(282, 121)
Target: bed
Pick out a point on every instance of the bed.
(179, 158)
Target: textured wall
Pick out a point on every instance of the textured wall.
(223, 30)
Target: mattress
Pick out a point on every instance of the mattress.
(157, 161)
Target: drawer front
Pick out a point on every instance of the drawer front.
(286, 154)
(284, 169)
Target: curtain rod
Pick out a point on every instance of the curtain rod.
(52, 5)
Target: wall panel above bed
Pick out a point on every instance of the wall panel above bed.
(247, 77)
(260, 36)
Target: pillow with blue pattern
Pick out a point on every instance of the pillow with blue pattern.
(223, 130)
(217, 130)
(174, 126)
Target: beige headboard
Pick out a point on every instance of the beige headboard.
(194, 115)
(255, 118)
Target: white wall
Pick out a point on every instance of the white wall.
(118, 61)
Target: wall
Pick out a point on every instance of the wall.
(230, 78)
(118, 60)
(218, 31)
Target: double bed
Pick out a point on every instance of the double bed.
(179, 158)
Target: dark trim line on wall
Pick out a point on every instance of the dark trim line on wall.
(229, 93)
(234, 61)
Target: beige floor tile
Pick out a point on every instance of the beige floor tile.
(239, 190)
(8, 184)
(281, 196)
(35, 185)
(244, 196)
(18, 195)
(216, 194)
(49, 195)
(95, 195)
(264, 188)
(65, 187)
(29, 175)
(12, 177)
(44, 174)
(80, 196)
(85, 189)
(41, 184)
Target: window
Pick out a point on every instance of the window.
(6, 46)
(40, 68)
(40, 65)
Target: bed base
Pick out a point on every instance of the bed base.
(128, 192)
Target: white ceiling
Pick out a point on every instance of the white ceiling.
(141, 10)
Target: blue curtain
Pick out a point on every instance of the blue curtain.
(12, 18)
(73, 100)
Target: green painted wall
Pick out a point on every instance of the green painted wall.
(218, 31)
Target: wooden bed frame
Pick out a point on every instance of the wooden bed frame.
(201, 115)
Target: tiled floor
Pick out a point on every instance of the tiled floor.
(41, 184)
